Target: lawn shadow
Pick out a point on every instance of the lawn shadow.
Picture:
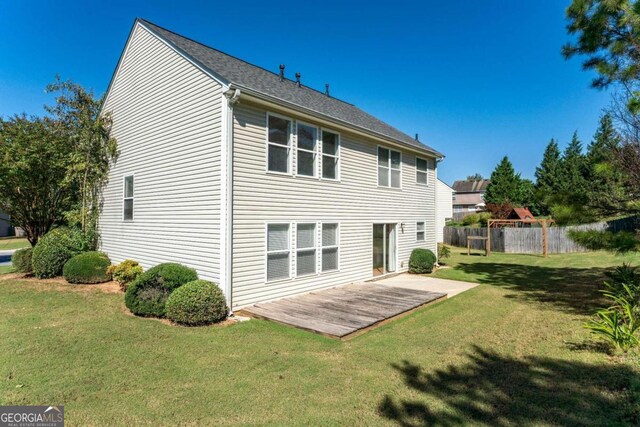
(496, 390)
(576, 290)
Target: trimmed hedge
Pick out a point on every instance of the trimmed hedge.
(197, 303)
(54, 249)
(147, 295)
(125, 272)
(21, 260)
(87, 268)
(421, 261)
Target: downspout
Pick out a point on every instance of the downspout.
(231, 97)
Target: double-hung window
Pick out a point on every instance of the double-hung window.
(389, 174)
(278, 252)
(305, 249)
(420, 233)
(306, 156)
(330, 251)
(330, 155)
(278, 144)
(422, 168)
(127, 206)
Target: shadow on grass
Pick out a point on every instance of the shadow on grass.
(495, 390)
(573, 289)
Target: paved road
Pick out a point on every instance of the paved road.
(5, 257)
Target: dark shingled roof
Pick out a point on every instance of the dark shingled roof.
(471, 186)
(255, 78)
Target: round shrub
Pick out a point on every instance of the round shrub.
(147, 295)
(21, 260)
(125, 272)
(87, 268)
(197, 303)
(421, 261)
(54, 249)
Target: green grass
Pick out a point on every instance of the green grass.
(6, 269)
(13, 243)
(508, 352)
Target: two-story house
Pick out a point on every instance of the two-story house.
(261, 184)
(468, 197)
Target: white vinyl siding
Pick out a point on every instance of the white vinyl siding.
(354, 201)
(389, 168)
(445, 207)
(167, 121)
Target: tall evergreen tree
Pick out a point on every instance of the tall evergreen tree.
(549, 177)
(574, 168)
(505, 186)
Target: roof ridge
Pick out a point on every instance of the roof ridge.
(242, 60)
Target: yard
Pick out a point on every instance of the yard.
(508, 352)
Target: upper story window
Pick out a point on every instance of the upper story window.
(127, 212)
(306, 156)
(389, 173)
(330, 155)
(422, 171)
(279, 144)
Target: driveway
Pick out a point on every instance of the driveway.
(429, 284)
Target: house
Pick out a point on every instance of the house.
(263, 185)
(444, 198)
(468, 197)
(5, 225)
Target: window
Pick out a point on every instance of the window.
(278, 252)
(330, 259)
(305, 249)
(306, 155)
(388, 168)
(127, 213)
(278, 144)
(330, 155)
(422, 168)
(420, 234)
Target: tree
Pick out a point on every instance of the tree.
(34, 162)
(505, 186)
(475, 177)
(548, 176)
(574, 169)
(608, 33)
(92, 148)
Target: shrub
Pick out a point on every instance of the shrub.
(54, 249)
(471, 219)
(125, 272)
(147, 295)
(197, 303)
(87, 268)
(443, 251)
(21, 260)
(421, 261)
(483, 218)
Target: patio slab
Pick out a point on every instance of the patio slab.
(429, 284)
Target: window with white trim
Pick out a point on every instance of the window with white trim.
(420, 231)
(330, 155)
(389, 173)
(422, 169)
(305, 249)
(330, 250)
(127, 205)
(306, 144)
(278, 144)
(278, 252)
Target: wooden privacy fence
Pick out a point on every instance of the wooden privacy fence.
(528, 240)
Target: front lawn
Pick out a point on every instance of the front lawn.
(13, 243)
(508, 352)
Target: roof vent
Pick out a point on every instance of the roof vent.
(416, 137)
(326, 89)
(281, 72)
(298, 79)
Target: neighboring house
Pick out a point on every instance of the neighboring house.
(261, 184)
(444, 199)
(5, 226)
(468, 197)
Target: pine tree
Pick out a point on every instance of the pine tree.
(549, 173)
(574, 169)
(505, 186)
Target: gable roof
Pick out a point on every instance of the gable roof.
(243, 74)
(523, 214)
(471, 186)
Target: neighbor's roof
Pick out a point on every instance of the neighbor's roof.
(467, 199)
(241, 73)
(471, 186)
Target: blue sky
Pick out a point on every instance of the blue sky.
(476, 80)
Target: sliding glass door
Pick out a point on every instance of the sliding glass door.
(384, 249)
